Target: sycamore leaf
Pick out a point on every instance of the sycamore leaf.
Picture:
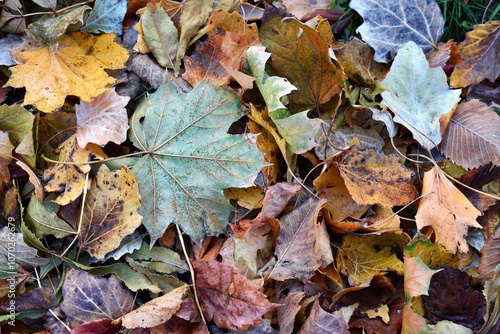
(70, 178)
(76, 67)
(373, 178)
(22, 253)
(342, 139)
(357, 60)
(49, 28)
(300, 54)
(160, 34)
(389, 24)
(194, 15)
(420, 95)
(190, 159)
(446, 210)
(102, 120)
(298, 247)
(88, 298)
(228, 297)
(107, 16)
(476, 126)
(156, 311)
(479, 54)
(322, 322)
(110, 211)
(361, 258)
(417, 276)
(205, 62)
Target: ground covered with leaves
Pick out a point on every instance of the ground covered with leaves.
(229, 166)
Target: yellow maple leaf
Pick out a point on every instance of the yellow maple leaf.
(446, 210)
(76, 67)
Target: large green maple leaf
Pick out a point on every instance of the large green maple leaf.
(190, 158)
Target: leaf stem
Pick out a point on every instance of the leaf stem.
(191, 270)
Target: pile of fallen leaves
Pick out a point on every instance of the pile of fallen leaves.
(227, 166)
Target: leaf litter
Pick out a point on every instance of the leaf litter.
(219, 166)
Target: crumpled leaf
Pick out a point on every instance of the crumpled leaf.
(372, 178)
(228, 297)
(361, 258)
(390, 24)
(322, 322)
(421, 95)
(476, 126)
(102, 120)
(76, 67)
(464, 305)
(88, 298)
(107, 16)
(194, 15)
(49, 28)
(447, 53)
(356, 58)
(300, 54)
(110, 211)
(70, 179)
(342, 139)
(160, 34)
(156, 311)
(22, 254)
(191, 159)
(479, 54)
(298, 247)
(446, 210)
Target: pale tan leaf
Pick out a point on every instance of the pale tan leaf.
(472, 137)
(102, 120)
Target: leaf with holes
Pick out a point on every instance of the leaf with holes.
(389, 24)
(476, 126)
(190, 158)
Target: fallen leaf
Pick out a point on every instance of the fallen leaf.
(194, 15)
(107, 16)
(205, 62)
(43, 219)
(420, 95)
(101, 326)
(159, 259)
(160, 34)
(302, 9)
(102, 120)
(132, 279)
(361, 258)
(300, 54)
(289, 294)
(476, 126)
(18, 123)
(339, 203)
(88, 298)
(76, 67)
(372, 178)
(16, 278)
(228, 297)
(276, 198)
(464, 305)
(388, 25)
(191, 159)
(322, 322)
(298, 247)
(70, 179)
(342, 138)
(446, 210)
(490, 258)
(491, 292)
(22, 253)
(110, 211)
(417, 276)
(448, 52)
(156, 311)
(356, 58)
(299, 131)
(40, 298)
(479, 55)
(53, 130)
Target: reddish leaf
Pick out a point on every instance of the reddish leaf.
(322, 322)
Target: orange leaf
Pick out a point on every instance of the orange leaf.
(446, 210)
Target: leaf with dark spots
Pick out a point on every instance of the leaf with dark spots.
(452, 297)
